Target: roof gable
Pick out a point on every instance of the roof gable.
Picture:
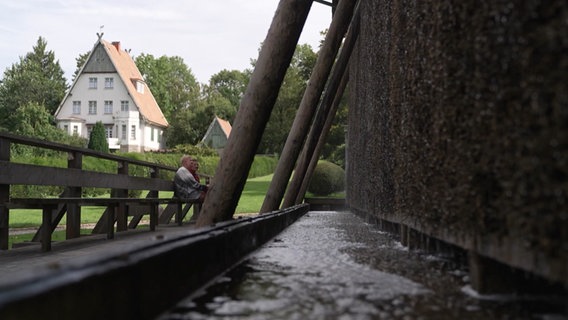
(225, 126)
(131, 76)
(218, 126)
(106, 57)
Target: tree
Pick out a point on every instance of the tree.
(80, 60)
(230, 85)
(97, 139)
(189, 125)
(33, 120)
(37, 78)
(171, 81)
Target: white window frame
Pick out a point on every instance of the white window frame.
(140, 86)
(92, 107)
(108, 131)
(76, 107)
(108, 106)
(133, 132)
(109, 83)
(93, 83)
(124, 105)
(124, 132)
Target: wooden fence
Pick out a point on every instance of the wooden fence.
(73, 178)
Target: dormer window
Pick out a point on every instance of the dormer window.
(139, 86)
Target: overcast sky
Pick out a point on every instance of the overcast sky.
(210, 35)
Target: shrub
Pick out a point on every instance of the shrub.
(97, 140)
(327, 179)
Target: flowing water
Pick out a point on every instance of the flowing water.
(332, 265)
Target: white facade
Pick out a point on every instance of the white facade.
(106, 97)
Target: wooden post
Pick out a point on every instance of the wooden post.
(301, 192)
(4, 197)
(46, 227)
(254, 112)
(73, 225)
(304, 116)
(154, 206)
(325, 114)
(121, 212)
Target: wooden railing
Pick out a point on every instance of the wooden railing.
(73, 179)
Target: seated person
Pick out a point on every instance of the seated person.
(186, 181)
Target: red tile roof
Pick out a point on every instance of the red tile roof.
(225, 125)
(130, 74)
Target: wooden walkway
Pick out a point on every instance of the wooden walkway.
(29, 263)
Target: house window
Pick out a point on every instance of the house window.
(108, 106)
(66, 128)
(109, 83)
(76, 107)
(75, 130)
(92, 107)
(89, 130)
(151, 134)
(108, 130)
(133, 133)
(140, 86)
(92, 83)
(123, 132)
(124, 105)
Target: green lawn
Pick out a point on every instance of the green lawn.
(249, 203)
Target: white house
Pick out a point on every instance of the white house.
(110, 89)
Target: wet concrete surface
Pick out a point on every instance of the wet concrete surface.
(332, 265)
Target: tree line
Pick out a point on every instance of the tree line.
(32, 89)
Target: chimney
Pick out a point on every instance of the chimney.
(116, 44)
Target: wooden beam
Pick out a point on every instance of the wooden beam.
(301, 191)
(4, 197)
(254, 112)
(73, 226)
(305, 114)
(323, 120)
(18, 173)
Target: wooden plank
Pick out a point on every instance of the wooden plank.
(18, 173)
(85, 152)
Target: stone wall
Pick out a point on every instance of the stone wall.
(458, 125)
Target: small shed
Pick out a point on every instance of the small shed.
(217, 134)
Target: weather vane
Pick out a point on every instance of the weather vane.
(100, 35)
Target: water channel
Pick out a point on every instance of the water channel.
(333, 265)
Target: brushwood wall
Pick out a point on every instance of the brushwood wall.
(464, 108)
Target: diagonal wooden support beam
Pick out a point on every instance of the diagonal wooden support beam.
(306, 111)
(323, 119)
(254, 111)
